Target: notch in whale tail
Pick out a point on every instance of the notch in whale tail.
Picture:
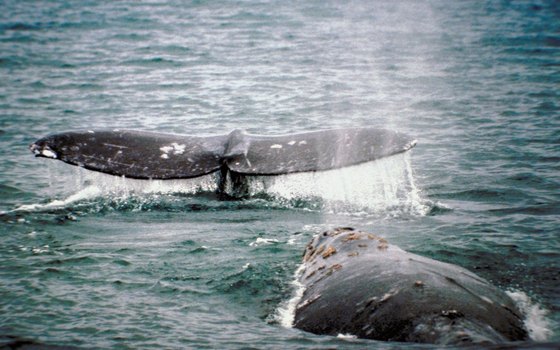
(150, 155)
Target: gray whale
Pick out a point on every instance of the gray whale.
(356, 283)
(151, 155)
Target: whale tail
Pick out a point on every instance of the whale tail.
(151, 155)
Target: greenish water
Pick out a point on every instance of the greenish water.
(92, 261)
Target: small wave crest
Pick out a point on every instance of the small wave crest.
(86, 193)
(285, 313)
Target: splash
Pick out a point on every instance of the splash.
(370, 187)
(536, 321)
(121, 186)
(383, 186)
(83, 185)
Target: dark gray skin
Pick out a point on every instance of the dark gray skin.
(150, 155)
(356, 283)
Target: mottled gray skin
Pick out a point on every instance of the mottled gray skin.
(356, 283)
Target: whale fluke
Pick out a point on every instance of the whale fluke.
(135, 154)
(316, 151)
(151, 155)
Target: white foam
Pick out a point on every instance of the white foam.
(536, 321)
(40, 250)
(86, 193)
(285, 314)
(263, 241)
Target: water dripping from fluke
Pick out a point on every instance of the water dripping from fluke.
(356, 171)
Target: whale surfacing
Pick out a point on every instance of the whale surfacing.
(356, 283)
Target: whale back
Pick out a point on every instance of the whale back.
(356, 283)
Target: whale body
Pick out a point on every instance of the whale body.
(151, 155)
(358, 284)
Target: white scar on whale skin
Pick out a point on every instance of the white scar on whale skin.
(175, 147)
(276, 146)
(48, 153)
(44, 151)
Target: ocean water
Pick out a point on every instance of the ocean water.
(92, 261)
